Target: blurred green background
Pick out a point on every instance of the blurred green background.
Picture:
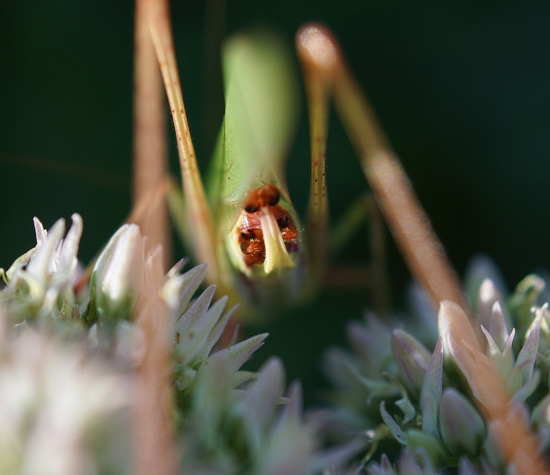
(461, 88)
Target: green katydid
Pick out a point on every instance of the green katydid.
(245, 227)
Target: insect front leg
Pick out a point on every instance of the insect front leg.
(421, 249)
(318, 98)
(318, 83)
(201, 227)
(419, 245)
(374, 276)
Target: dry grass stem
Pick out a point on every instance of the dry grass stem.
(150, 156)
(154, 442)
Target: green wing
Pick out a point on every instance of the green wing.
(260, 118)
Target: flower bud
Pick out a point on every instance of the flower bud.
(411, 357)
(461, 427)
(118, 275)
(40, 282)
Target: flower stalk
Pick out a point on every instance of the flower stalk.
(150, 155)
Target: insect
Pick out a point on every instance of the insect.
(96, 149)
(245, 227)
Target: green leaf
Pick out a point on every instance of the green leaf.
(178, 289)
(236, 355)
(528, 354)
(216, 332)
(393, 426)
(261, 400)
(462, 428)
(430, 444)
(193, 318)
(430, 395)
(411, 357)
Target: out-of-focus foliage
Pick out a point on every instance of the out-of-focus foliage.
(394, 387)
(69, 357)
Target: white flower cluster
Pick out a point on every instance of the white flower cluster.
(57, 407)
(67, 397)
(40, 283)
(448, 407)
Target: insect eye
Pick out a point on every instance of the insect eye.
(272, 195)
(283, 222)
(251, 208)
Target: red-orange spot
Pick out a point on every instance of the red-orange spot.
(288, 234)
(251, 239)
(267, 195)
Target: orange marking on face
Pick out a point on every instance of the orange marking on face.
(250, 229)
(267, 195)
(288, 233)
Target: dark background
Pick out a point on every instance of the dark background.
(462, 90)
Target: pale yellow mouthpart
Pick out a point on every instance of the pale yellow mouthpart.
(276, 255)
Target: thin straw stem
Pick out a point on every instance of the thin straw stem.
(150, 156)
(154, 440)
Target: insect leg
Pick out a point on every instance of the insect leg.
(423, 252)
(200, 219)
(318, 96)
(318, 82)
(406, 219)
(365, 209)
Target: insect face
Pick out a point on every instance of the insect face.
(265, 240)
